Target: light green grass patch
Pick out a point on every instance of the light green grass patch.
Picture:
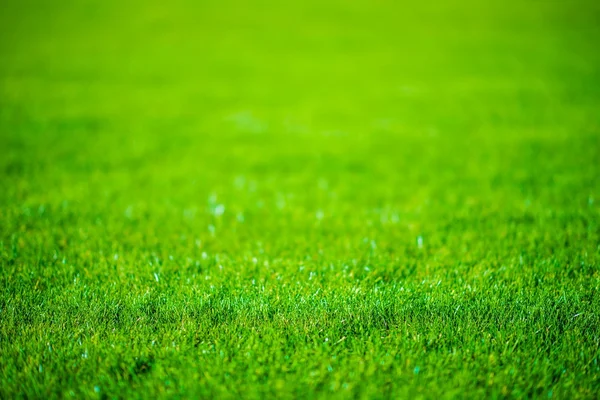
(321, 199)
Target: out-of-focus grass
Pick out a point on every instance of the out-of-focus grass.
(351, 199)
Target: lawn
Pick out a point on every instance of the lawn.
(313, 199)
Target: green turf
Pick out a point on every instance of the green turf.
(310, 199)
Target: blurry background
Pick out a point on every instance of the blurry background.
(377, 118)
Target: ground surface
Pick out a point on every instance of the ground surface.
(315, 199)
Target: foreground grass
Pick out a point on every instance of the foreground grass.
(320, 200)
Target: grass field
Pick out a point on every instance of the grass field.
(346, 199)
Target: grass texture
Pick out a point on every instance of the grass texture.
(313, 199)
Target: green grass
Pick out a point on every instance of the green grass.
(321, 199)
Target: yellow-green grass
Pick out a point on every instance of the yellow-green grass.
(353, 199)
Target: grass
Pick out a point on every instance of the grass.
(320, 199)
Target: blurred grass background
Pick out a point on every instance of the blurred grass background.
(198, 150)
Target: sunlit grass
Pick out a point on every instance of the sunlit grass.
(339, 199)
